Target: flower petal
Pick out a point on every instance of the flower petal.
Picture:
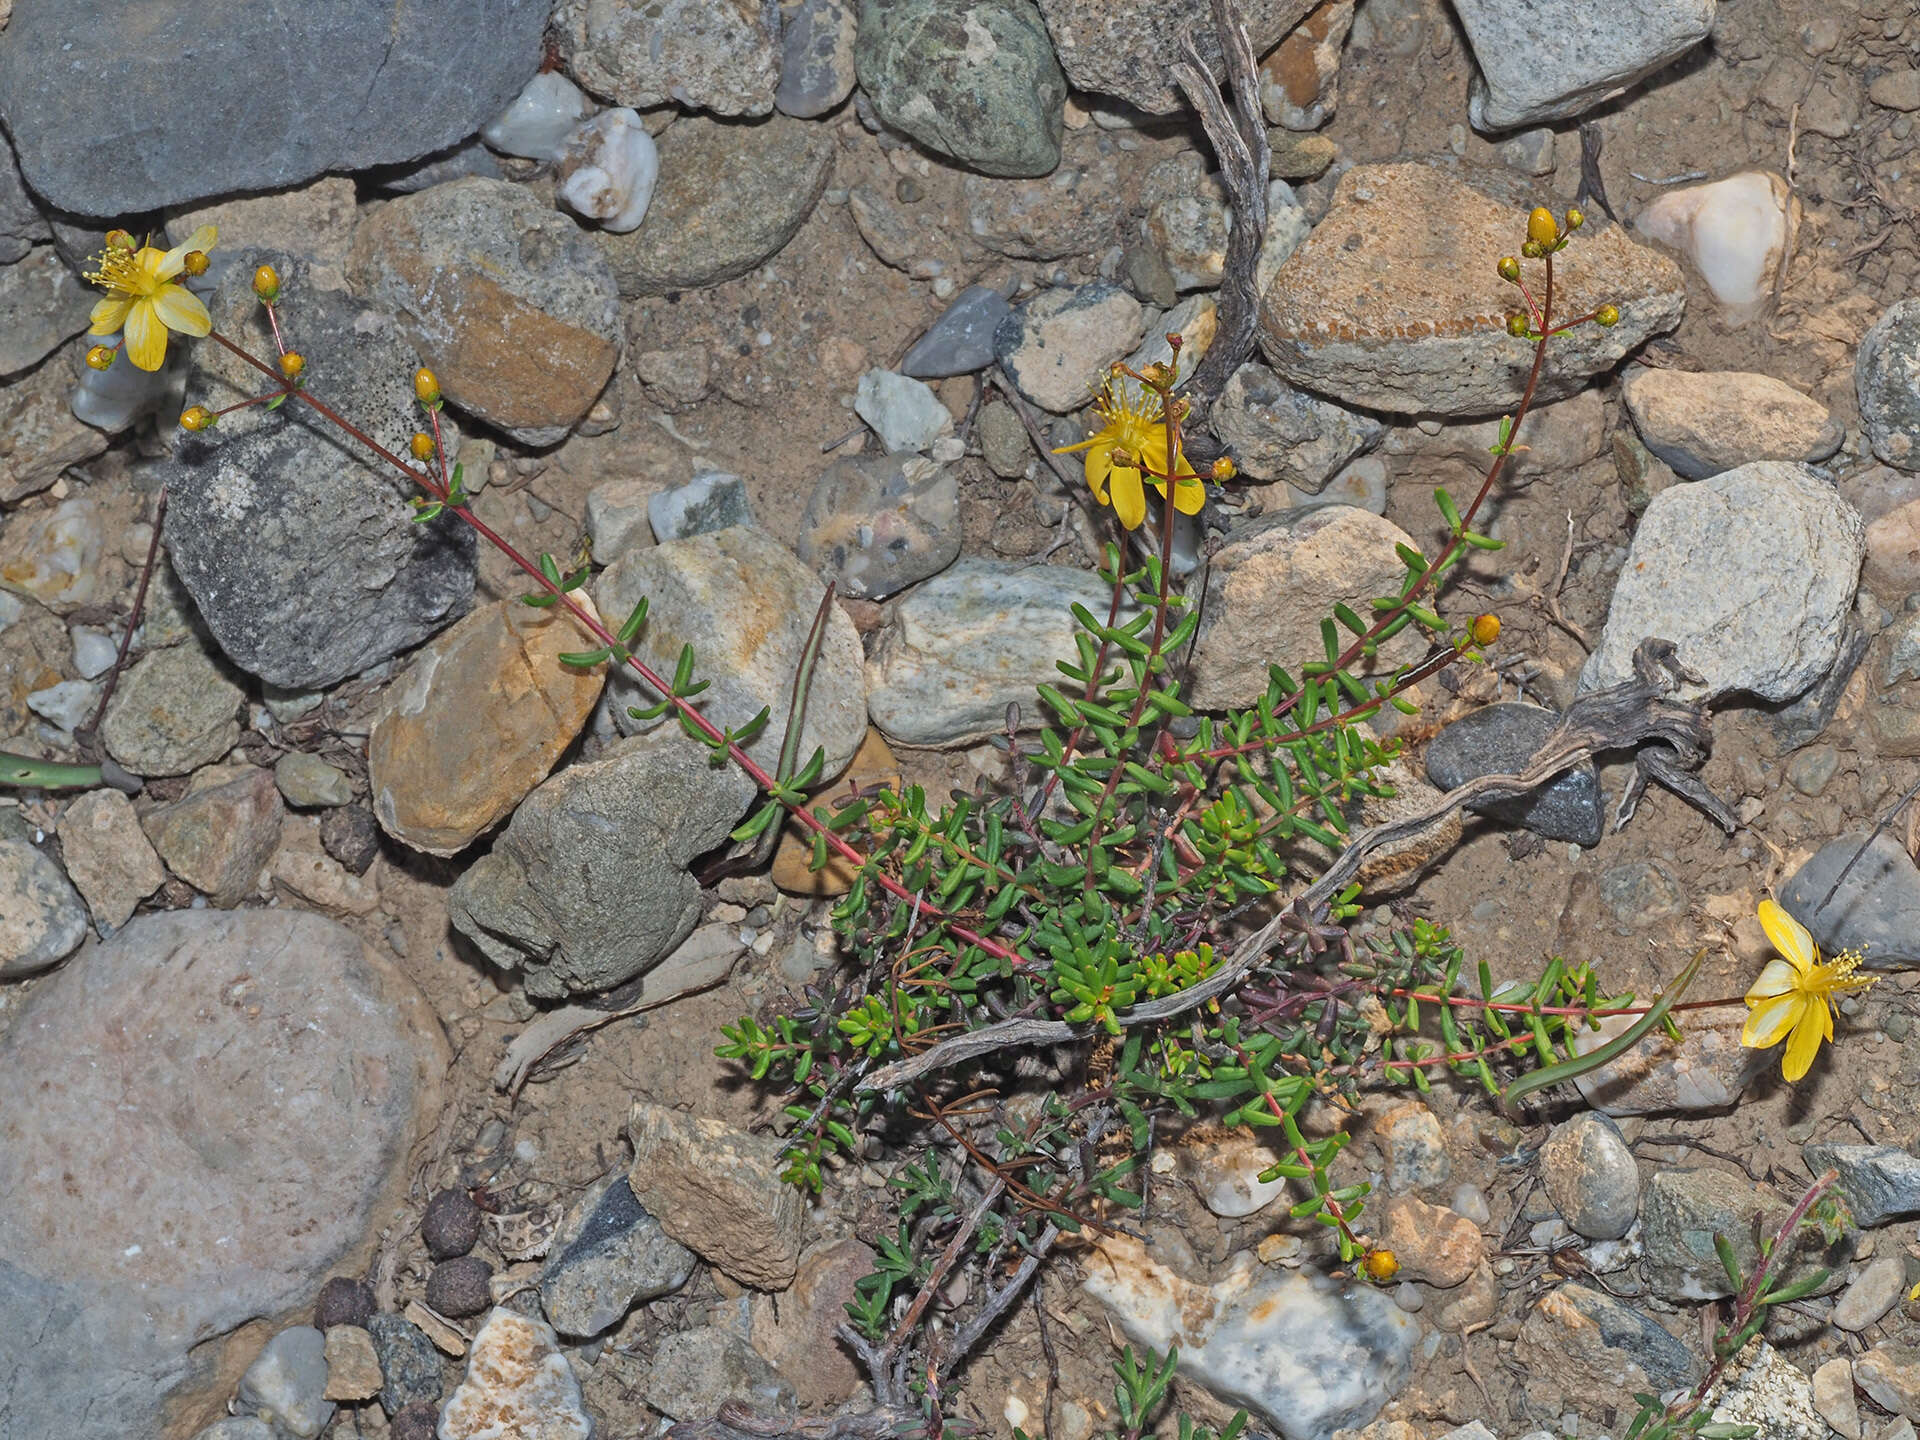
(1129, 500)
(109, 315)
(171, 262)
(1777, 978)
(1189, 495)
(1788, 935)
(146, 336)
(1805, 1043)
(1770, 1020)
(1098, 465)
(180, 309)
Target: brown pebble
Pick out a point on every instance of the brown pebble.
(351, 835)
(343, 1301)
(416, 1422)
(451, 1225)
(460, 1287)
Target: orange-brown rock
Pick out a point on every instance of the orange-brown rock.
(873, 766)
(1431, 1242)
(477, 722)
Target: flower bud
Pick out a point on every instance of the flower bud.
(266, 284)
(119, 240)
(1532, 249)
(1575, 219)
(1509, 269)
(100, 358)
(196, 417)
(1607, 316)
(1381, 1265)
(1541, 228)
(1486, 629)
(426, 386)
(1224, 469)
(421, 445)
(1517, 326)
(1156, 375)
(293, 364)
(194, 262)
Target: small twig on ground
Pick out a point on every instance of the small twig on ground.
(1053, 1361)
(1878, 830)
(1705, 1149)
(1003, 1297)
(1592, 186)
(1552, 594)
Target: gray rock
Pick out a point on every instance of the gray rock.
(723, 58)
(1886, 378)
(1499, 740)
(321, 573)
(697, 1371)
(173, 712)
(1882, 1182)
(423, 85)
(1640, 892)
(1121, 47)
(1003, 441)
(46, 439)
(408, 1362)
(1666, 1360)
(876, 524)
(707, 503)
(42, 305)
(22, 226)
(1074, 211)
(888, 230)
(510, 305)
(617, 518)
(537, 901)
(1057, 346)
(903, 412)
(1874, 1292)
(469, 158)
(1275, 432)
(971, 641)
(42, 919)
(816, 57)
(720, 1192)
(608, 1256)
(309, 782)
(228, 1202)
(1703, 1073)
(1701, 423)
(1681, 1212)
(1876, 909)
(1187, 220)
(974, 80)
(1591, 1177)
(961, 340)
(1800, 722)
(1544, 60)
(286, 1383)
(1701, 575)
(108, 856)
(745, 605)
(238, 1427)
(729, 197)
(220, 838)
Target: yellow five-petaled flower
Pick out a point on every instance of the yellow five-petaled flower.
(1129, 452)
(1793, 998)
(144, 302)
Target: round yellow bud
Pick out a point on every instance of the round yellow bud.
(1575, 219)
(1541, 228)
(293, 364)
(1607, 316)
(1381, 1265)
(1517, 325)
(100, 358)
(194, 262)
(426, 386)
(1509, 269)
(1486, 629)
(421, 445)
(266, 284)
(196, 417)
(119, 240)
(1224, 469)
(1532, 249)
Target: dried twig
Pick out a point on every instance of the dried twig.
(1592, 186)
(1552, 596)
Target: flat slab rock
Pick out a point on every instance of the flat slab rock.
(1393, 302)
(220, 1103)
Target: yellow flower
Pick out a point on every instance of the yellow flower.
(143, 301)
(1794, 994)
(1132, 441)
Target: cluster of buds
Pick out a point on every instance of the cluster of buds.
(1545, 236)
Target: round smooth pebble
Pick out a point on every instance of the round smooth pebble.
(343, 1301)
(451, 1225)
(1591, 1177)
(460, 1287)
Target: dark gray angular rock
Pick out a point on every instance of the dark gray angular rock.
(626, 825)
(327, 86)
(1876, 909)
(961, 340)
(298, 547)
(1886, 378)
(609, 1255)
(1800, 722)
(1276, 432)
(706, 503)
(816, 57)
(408, 1361)
(1882, 1183)
(42, 304)
(22, 226)
(1667, 1361)
(1499, 740)
(974, 80)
